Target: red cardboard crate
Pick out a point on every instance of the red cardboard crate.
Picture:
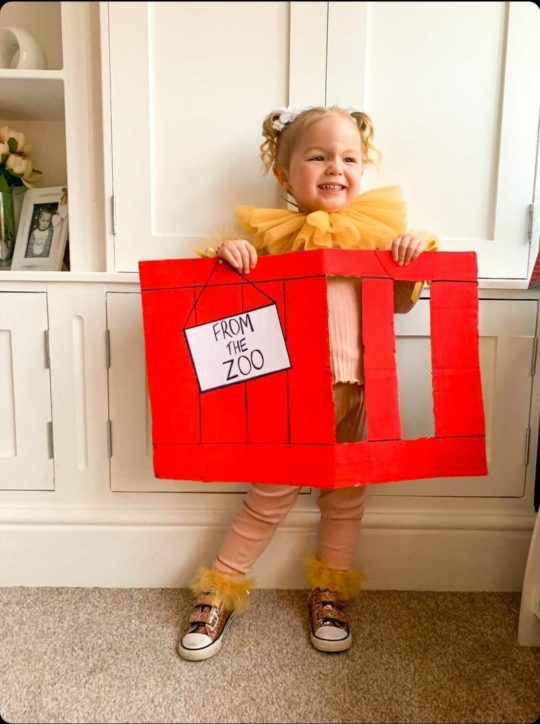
(280, 428)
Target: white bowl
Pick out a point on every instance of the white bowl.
(19, 49)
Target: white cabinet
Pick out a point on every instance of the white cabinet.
(168, 99)
(105, 509)
(507, 332)
(449, 87)
(190, 85)
(454, 99)
(25, 396)
(507, 348)
(130, 419)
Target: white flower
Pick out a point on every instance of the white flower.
(16, 140)
(15, 161)
(17, 164)
(22, 167)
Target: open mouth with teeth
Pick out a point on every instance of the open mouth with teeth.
(332, 187)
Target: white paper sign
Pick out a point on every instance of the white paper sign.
(238, 348)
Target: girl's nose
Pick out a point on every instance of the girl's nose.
(335, 167)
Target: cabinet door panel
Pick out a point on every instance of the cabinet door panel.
(507, 333)
(190, 85)
(455, 107)
(131, 461)
(25, 394)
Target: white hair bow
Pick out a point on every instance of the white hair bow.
(287, 114)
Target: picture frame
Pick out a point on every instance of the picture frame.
(43, 230)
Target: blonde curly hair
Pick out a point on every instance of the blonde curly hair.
(278, 146)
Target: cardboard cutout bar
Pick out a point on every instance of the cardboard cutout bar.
(381, 389)
(278, 427)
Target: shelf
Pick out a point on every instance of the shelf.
(69, 276)
(15, 74)
(32, 95)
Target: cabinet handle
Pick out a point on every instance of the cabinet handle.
(109, 438)
(533, 214)
(47, 349)
(50, 440)
(534, 356)
(527, 445)
(113, 214)
(107, 348)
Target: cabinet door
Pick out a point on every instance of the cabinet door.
(131, 448)
(190, 84)
(507, 337)
(507, 341)
(25, 395)
(454, 99)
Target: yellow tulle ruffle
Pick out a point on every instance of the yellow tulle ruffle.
(372, 221)
(346, 583)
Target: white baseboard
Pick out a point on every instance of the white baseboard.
(70, 547)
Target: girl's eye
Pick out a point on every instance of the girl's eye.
(350, 160)
(317, 158)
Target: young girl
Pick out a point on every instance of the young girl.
(318, 156)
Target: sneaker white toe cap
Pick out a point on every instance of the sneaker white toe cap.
(196, 641)
(331, 633)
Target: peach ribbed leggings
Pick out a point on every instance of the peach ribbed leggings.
(265, 506)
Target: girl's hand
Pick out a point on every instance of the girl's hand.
(407, 247)
(239, 253)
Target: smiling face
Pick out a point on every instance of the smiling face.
(44, 220)
(326, 165)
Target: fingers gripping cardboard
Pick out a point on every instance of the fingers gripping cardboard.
(278, 427)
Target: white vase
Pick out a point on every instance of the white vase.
(19, 49)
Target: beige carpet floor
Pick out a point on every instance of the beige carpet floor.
(108, 655)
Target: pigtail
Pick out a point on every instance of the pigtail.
(268, 148)
(365, 126)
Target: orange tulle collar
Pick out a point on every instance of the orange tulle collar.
(372, 221)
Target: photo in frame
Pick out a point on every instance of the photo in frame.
(43, 230)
